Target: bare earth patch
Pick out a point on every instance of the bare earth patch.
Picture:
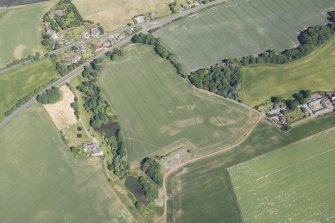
(61, 112)
(18, 52)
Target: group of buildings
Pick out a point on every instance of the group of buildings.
(316, 106)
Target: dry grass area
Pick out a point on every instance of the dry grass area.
(61, 112)
(113, 14)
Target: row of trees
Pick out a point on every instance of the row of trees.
(224, 78)
(50, 96)
(160, 49)
(31, 58)
(152, 168)
(101, 113)
(115, 54)
(151, 194)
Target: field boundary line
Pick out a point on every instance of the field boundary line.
(222, 150)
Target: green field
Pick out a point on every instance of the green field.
(191, 190)
(42, 182)
(239, 28)
(160, 111)
(18, 83)
(293, 184)
(314, 72)
(21, 33)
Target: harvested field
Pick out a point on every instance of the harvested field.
(23, 33)
(314, 72)
(239, 28)
(41, 182)
(296, 182)
(159, 110)
(61, 112)
(114, 14)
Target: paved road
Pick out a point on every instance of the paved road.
(145, 28)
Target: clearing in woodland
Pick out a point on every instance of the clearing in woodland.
(20, 82)
(240, 28)
(160, 111)
(203, 190)
(296, 182)
(113, 14)
(21, 33)
(42, 181)
(314, 72)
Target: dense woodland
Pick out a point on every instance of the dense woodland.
(101, 113)
(152, 168)
(50, 96)
(224, 78)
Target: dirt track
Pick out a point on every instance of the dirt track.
(223, 149)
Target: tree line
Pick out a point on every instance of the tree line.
(225, 78)
(100, 113)
(152, 168)
(160, 49)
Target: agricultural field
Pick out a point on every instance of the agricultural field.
(160, 112)
(18, 83)
(294, 183)
(314, 72)
(6, 3)
(23, 33)
(239, 28)
(42, 181)
(113, 14)
(194, 183)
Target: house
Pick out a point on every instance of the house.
(98, 47)
(58, 13)
(73, 59)
(304, 109)
(85, 34)
(95, 32)
(186, 6)
(282, 119)
(320, 106)
(106, 44)
(93, 148)
(139, 19)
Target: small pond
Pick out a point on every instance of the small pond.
(133, 185)
(109, 129)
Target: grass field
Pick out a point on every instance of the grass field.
(239, 28)
(5, 3)
(22, 31)
(18, 83)
(113, 14)
(42, 182)
(293, 184)
(160, 111)
(199, 188)
(314, 72)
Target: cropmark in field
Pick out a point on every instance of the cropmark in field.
(157, 108)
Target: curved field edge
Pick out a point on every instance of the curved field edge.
(264, 138)
(21, 33)
(300, 174)
(44, 183)
(20, 82)
(239, 28)
(161, 112)
(314, 72)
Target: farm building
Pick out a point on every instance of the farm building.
(139, 19)
(93, 148)
(59, 13)
(73, 59)
(320, 106)
(95, 32)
